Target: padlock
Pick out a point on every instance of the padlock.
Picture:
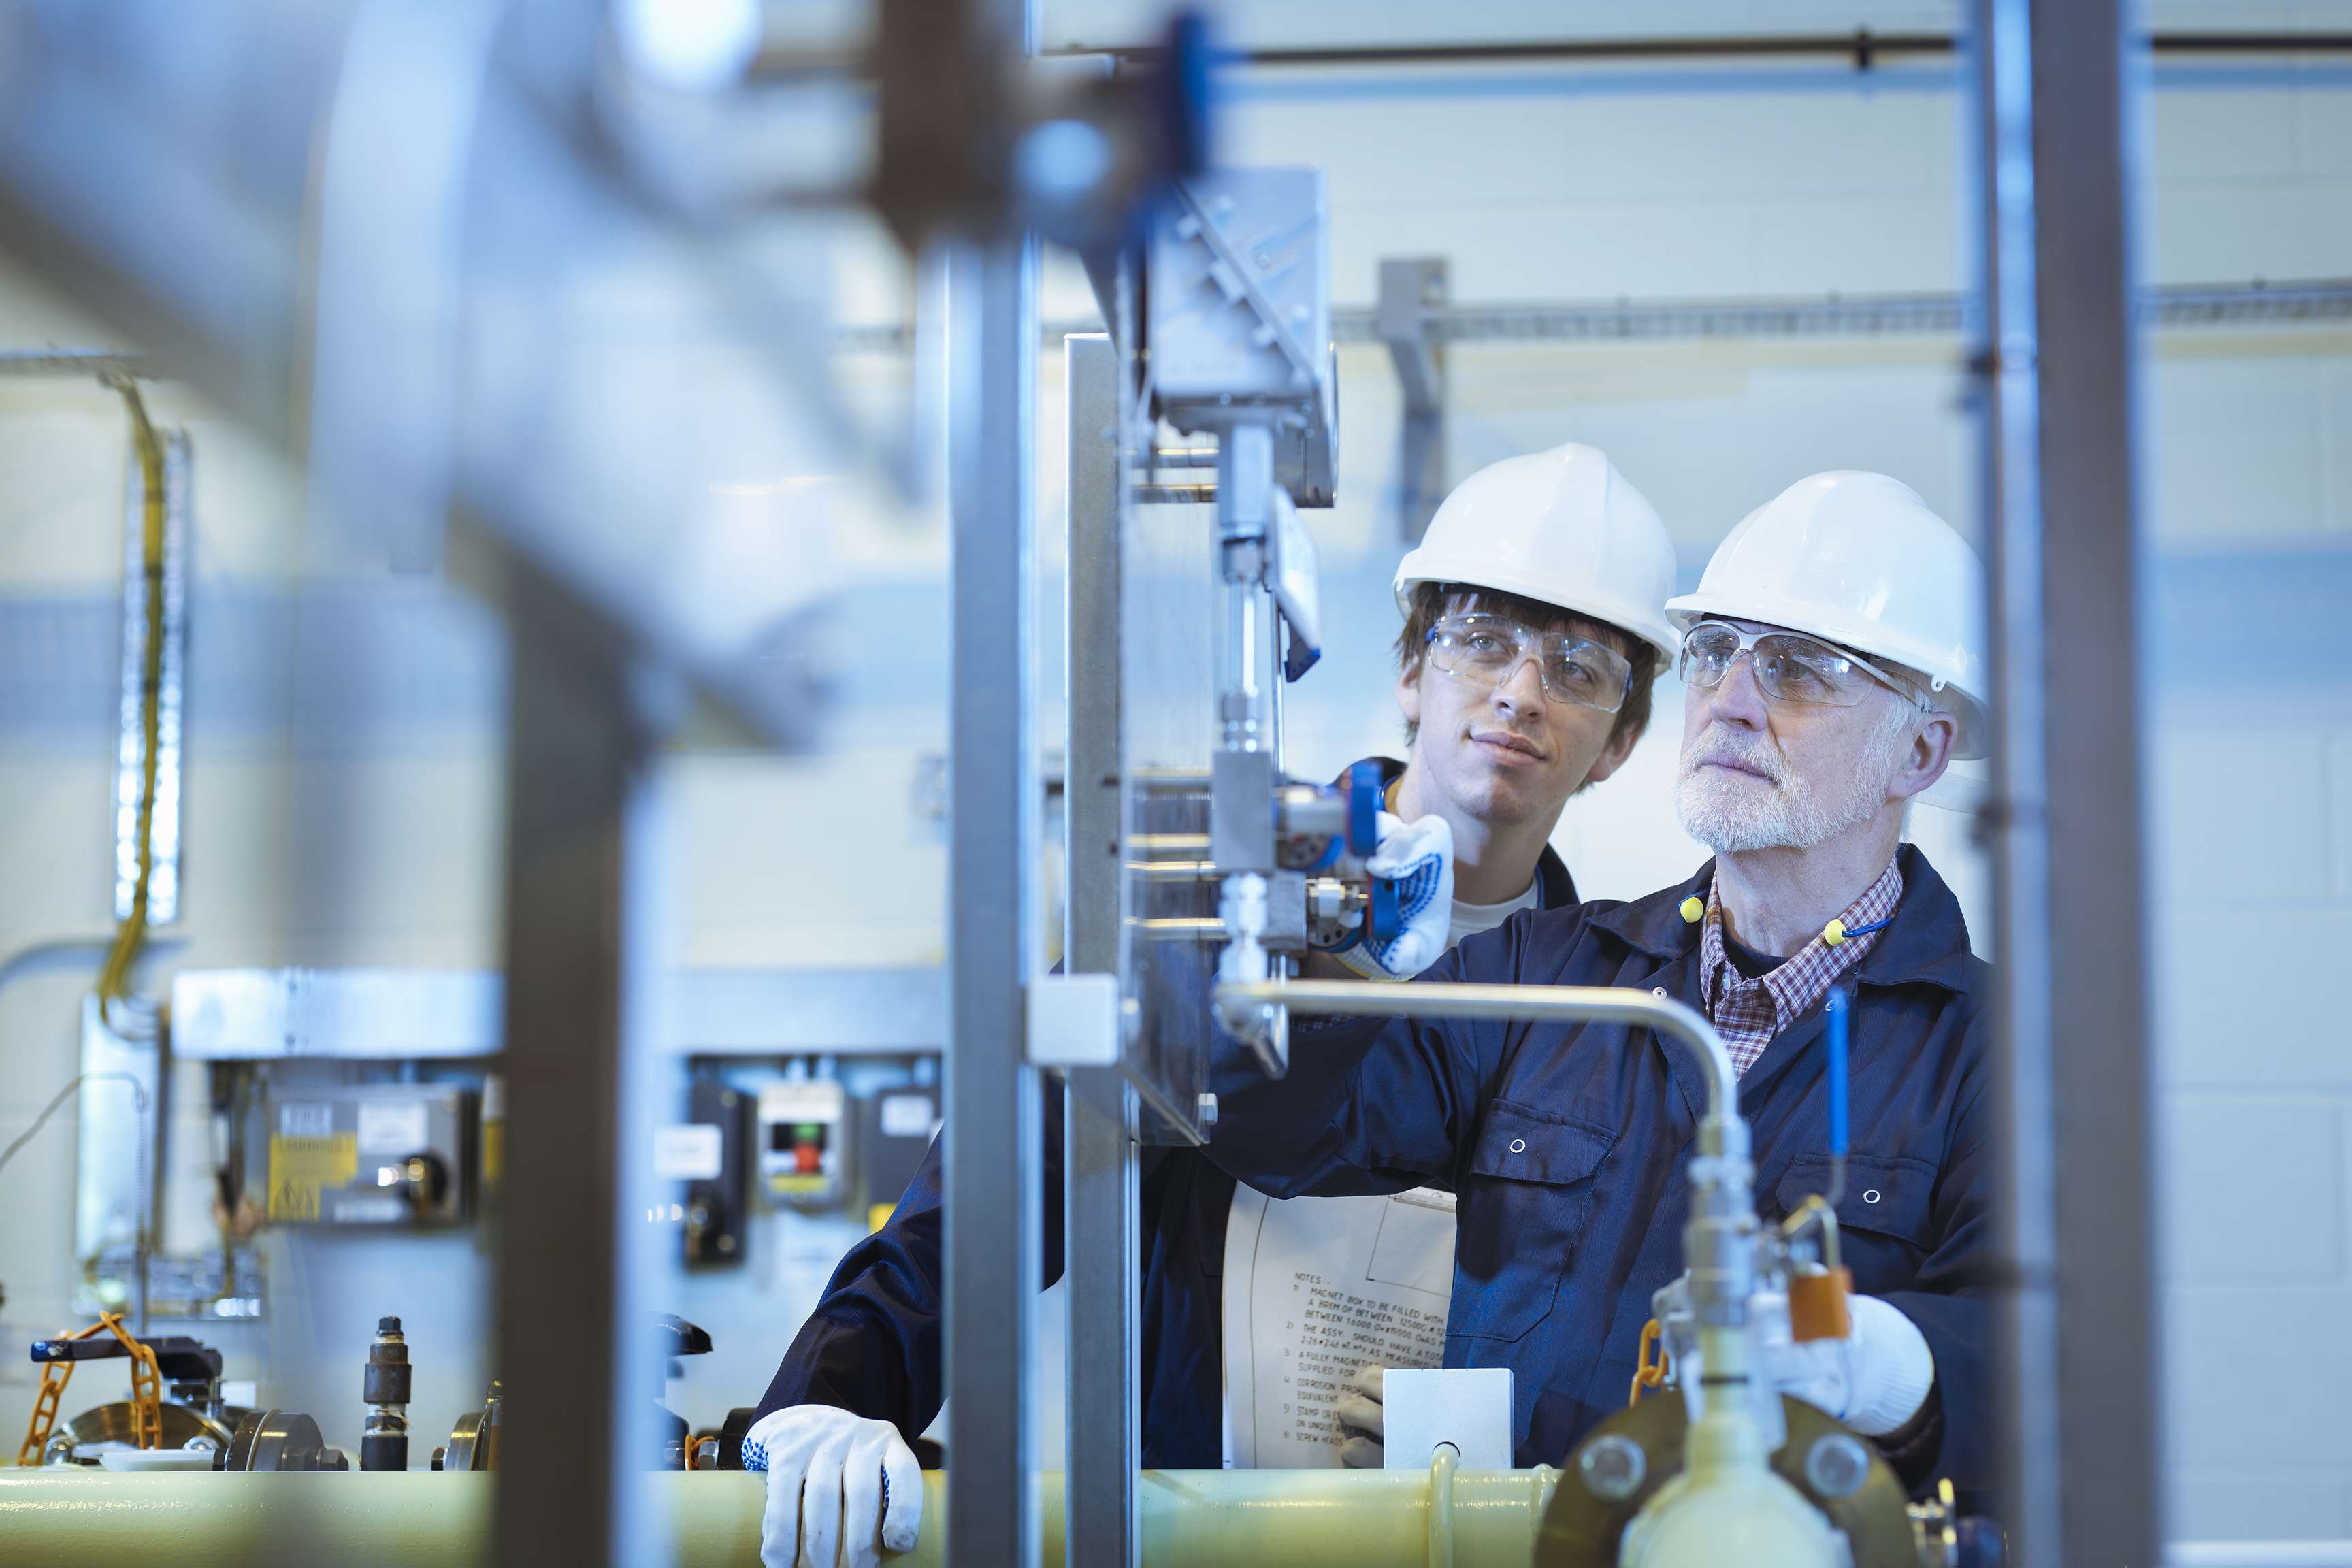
(1817, 1308)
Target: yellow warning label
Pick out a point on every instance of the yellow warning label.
(300, 1167)
(494, 1153)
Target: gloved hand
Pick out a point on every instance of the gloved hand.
(840, 1487)
(1417, 857)
(1363, 1416)
(1874, 1380)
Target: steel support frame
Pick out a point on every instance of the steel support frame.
(993, 1126)
(581, 927)
(2078, 1325)
(1100, 1229)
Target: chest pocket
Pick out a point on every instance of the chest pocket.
(1525, 1198)
(1886, 1221)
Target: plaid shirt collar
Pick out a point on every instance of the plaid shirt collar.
(1749, 1012)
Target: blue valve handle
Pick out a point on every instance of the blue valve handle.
(1364, 793)
(1382, 916)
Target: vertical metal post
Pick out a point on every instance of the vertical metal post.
(1100, 1237)
(993, 1122)
(576, 948)
(2078, 1326)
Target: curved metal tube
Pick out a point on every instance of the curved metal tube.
(1531, 1004)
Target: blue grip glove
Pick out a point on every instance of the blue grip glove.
(1416, 860)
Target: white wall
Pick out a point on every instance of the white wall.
(1536, 183)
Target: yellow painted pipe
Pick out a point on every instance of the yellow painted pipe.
(1188, 1519)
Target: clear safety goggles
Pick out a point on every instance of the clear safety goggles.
(1790, 666)
(1490, 648)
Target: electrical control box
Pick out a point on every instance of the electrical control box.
(371, 1155)
(710, 1152)
(803, 1141)
(894, 1133)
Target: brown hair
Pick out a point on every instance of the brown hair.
(1433, 601)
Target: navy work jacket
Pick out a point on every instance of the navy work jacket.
(873, 1344)
(1565, 1145)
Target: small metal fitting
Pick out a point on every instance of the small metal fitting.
(1208, 1109)
(1611, 1467)
(1836, 1465)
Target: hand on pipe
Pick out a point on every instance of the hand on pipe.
(1363, 1417)
(841, 1489)
(1416, 860)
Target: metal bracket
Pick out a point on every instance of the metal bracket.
(1413, 291)
(1240, 327)
(1074, 1021)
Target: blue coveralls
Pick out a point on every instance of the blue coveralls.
(873, 1345)
(1565, 1145)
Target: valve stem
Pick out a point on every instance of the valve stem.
(384, 1445)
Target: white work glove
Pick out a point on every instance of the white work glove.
(841, 1489)
(1363, 1416)
(1874, 1380)
(1418, 856)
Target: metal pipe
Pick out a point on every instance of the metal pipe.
(1525, 1003)
(2260, 302)
(1864, 48)
(97, 364)
(1187, 1518)
(1174, 870)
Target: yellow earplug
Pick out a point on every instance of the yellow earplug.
(1693, 909)
(1833, 932)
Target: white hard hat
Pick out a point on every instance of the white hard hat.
(1560, 527)
(1859, 559)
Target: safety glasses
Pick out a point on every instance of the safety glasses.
(1790, 666)
(1490, 648)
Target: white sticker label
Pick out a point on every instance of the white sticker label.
(907, 1116)
(392, 1127)
(306, 1119)
(688, 1151)
(801, 1100)
(365, 1208)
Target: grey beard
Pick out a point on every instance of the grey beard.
(1732, 814)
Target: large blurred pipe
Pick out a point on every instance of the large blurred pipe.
(576, 369)
(1190, 1518)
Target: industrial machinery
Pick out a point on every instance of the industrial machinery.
(279, 1440)
(192, 1417)
(474, 1440)
(673, 1337)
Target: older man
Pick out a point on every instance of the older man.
(1828, 656)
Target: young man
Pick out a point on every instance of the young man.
(1534, 625)
(1830, 662)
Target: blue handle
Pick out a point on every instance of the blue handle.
(1364, 792)
(1384, 914)
(1834, 1011)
